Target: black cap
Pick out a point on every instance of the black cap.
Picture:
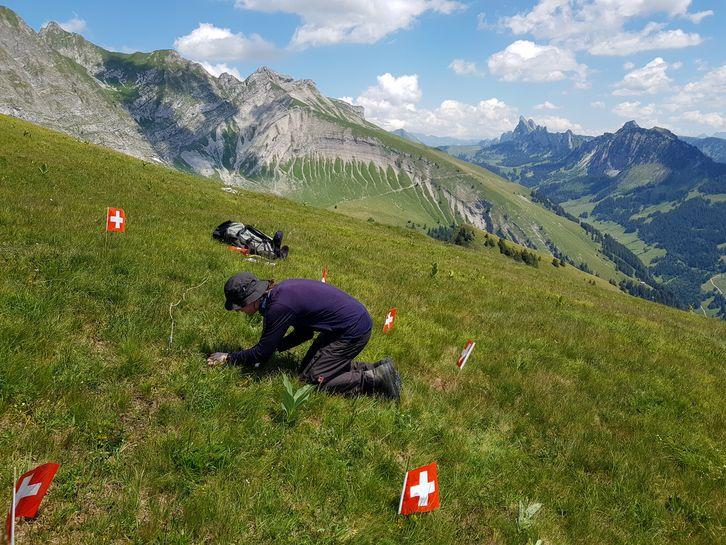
(242, 289)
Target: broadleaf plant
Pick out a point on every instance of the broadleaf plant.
(293, 399)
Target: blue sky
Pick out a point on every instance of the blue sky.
(448, 67)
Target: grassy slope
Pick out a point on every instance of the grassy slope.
(607, 409)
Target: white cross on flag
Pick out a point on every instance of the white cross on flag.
(115, 220)
(468, 349)
(420, 490)
(390, 318)
(29, 492)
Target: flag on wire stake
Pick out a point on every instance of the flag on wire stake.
(420, 490)
(28, 492)
(115, 220)
(468, 349)
(390, 318)
(325, 275)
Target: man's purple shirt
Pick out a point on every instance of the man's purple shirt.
(307, 306)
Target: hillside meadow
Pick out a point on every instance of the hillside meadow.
(606, 409)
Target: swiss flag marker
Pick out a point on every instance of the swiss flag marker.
(468, 349)
(420, 490)
(325, 275)
(390, 318)
(115, 220)
(27, 495)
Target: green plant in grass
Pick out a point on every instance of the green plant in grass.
(293, 399)
(43, 169)
(527, 511)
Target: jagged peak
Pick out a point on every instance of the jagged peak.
(264, 73)
(629, 126)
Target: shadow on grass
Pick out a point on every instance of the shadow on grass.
(276, 365)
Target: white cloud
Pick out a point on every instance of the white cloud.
(701, 65)
(712, 119)
(598, 26)
(462, 67)
(628, 65)
(650, 79)
(353, 21)
(74, 24)
(213, 44)
(644, 114)
(651, 37)
(557, 124)
(708, 92)
(218, 69)
(481, 22)
(393, 104)
(700, 16)
(599, 104)
(526, 61)
(546, 105)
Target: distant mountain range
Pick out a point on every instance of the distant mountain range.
(656, 192)
(437, 141)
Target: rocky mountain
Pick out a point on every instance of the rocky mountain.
(710, 146)
(41, 85)
(650, 188)
(518, 154)
(268, 132)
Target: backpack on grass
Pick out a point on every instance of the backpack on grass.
(240, 235)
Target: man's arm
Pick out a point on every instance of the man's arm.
(298, 336)
(275, 326)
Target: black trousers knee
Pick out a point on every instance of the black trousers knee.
(329, 364)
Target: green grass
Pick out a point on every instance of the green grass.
(606, 409)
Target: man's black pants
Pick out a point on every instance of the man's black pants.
(329, 363)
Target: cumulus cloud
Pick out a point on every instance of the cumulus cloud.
(712, 119)
(599, 104)
(598, 26)
(546, 105)
(393, 104)
(350, 21)
(651, 37)
(527, 61)
(650, 79)
(218, 69)
(218, 45)
(708, 92)
(557, 124)
(462, 67)
(644, 114)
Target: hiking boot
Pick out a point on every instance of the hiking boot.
(359, 365)
(386, 380)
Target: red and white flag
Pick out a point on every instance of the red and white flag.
(325, 275)
(29, 492)
(390, 318)
(420, 490)
(468, 349)
(115, 220)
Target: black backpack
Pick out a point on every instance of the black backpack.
(245, 236)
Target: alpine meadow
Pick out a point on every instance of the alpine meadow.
(372, 272)
(606, 409)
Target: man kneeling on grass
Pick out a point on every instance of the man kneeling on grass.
(308, 306)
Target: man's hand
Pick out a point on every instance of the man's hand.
(217, 359)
